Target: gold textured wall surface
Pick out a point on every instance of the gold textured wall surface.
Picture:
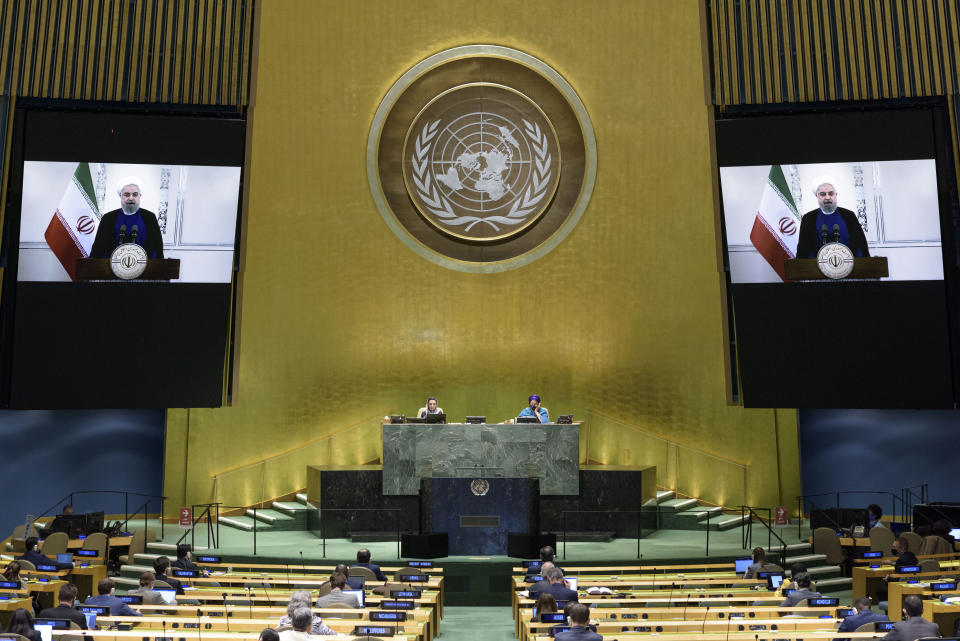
(341, 323)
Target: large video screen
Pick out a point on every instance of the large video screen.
(794, 187)
(121, 263)
(77, 210)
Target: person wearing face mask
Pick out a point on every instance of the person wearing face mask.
(129, 224)
(534, 409)
(841, 224)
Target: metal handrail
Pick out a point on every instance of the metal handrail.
(747, 512)
(126, 504)
(191, 531)
(896, 501)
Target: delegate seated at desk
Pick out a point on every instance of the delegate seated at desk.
(534, 409)
(431, 408)
(33, 555)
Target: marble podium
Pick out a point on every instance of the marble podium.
(549, 452)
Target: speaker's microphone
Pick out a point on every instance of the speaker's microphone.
(226, 615)
(836, 233)
(823, 233)
(123, 234)
(133, 234)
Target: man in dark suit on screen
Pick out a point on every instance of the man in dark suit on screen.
(841, 224)
(129, 224)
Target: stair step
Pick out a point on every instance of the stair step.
(270, 517)
(836, 584)
(700, 513)
(793, 547)
(677, 505)
(288, 508)
(302, 498)
(244, 523)
(806, 559)
(371, 537)
(731, 523)
(823, 571)
(666, 495)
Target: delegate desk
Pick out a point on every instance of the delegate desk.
(867, 581)
(415, 451)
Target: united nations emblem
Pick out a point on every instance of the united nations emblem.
(835, 260)
(479, 487)
(481, 158)
(128, 261)
(481, 162)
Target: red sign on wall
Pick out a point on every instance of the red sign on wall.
(186, 516)
(781, 516)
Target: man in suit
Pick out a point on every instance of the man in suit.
(915, 627)
(363, 561)
(543, 583)
(160, 566)
(106, 598)
(117, 227)
(802, 583)
(185, 560)
(828, 214)
(33, 555)
(557, 587)
(336, 595)
(150, 596)
(64, 610)
(579, 620)
(863, 616)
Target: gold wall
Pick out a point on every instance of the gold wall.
(341, 323)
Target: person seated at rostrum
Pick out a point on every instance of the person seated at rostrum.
(65, 610)
(579, 616)
(430, 408)
(106, 598)
(301, 599)
(363, 561)
(337, 583)
(803, 591)
(33, 555)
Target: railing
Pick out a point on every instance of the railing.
(678, 466)
(213, 521)
(127, 514)
(747, 513)
(283, 472)
(323, 537)
(901, 505)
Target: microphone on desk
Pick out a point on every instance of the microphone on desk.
(122, 234)
(823, 234)
(703, 626)
(249, 603)
(302, 564)
(836, 233)
(164, 623)
(199, 623)
(226, 614)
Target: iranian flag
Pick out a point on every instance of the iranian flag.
(777, 225)
(73, 227)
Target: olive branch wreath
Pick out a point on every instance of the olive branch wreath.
(439, 206)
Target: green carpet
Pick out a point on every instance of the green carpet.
(477, 624)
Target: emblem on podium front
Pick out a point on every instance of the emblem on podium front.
(835, 260)
(481, 158)
(128, 261)
(479, 487)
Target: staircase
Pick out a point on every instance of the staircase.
(281, 516)
(690, 514)
(827, 577)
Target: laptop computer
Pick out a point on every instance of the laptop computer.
(435, 418)
(65, 557)
(774, 580)
(46, 631)
(169, 596)
(571, 581)
(357, 593)
(742, 565)
(527, 419)
(355, 582)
